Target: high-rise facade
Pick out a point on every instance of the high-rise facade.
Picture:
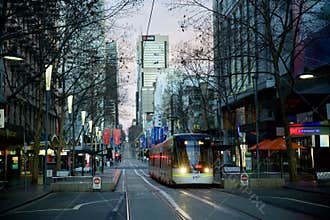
(152, 53)
(251, 62)
(111, 115)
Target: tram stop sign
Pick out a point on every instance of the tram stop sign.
(97, 182)
(244, 179)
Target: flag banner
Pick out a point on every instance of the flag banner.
(106, 136)
(116, 136)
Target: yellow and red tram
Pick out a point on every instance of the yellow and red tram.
(183, 159)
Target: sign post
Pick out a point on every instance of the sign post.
(244, 179)
(97, 182)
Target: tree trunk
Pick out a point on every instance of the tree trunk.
(290, 151)
(36, 147)
(58, 159)
(34, 169)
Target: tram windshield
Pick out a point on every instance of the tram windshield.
(194, 155)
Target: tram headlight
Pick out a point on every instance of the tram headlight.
(206, 170)
(183, 169)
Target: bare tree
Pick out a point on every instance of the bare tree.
(267, 38)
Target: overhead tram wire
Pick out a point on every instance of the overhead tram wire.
(150, 16)
(149, 22)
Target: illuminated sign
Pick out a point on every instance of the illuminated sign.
(148, 38)
(309, 130)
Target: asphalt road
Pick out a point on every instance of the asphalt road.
(139, 197)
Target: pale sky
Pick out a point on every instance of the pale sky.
(163, 22)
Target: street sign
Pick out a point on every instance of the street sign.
(244, 179)
(97, 182)
(2, 118)
(49, 173)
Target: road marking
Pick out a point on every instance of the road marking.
(77, 207)
(116, 208)
(42, 210)
(297, 200)
(225, 210)
(166, 196)
(123, 182)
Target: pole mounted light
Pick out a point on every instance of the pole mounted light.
(12, 56)
(83, 118)
(48, 78)
(306, 76)
(70, 101)
(70, 105)
(90, 124)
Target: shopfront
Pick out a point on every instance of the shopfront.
(11, 143)
(316, 138)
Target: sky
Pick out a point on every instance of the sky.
(163, 22)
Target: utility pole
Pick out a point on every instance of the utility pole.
(172, 117)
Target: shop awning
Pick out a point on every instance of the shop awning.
(277, 144)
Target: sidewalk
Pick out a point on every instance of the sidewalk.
(17, 194)
(308, 186)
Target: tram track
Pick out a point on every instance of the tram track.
(179, 213)
(218, 204)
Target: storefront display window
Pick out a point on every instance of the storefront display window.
(324, 140)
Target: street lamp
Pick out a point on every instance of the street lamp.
(83, 118)
(100, 136)
(306, 76)
(48, 77)
(12, 56)
(90, 125)
(95, 149)
(70, 106)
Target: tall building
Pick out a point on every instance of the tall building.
(152, 57)
(25, 30)
(245, 61)
(111, 115)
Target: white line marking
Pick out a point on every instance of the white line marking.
(297, 200)
(167, 197)
(123, 183)
(115, 209)
(42, 210)
(77, 207)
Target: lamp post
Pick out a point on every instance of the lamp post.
(90, 125)
(48, 83)
(100, 138)
(257, 121)
(70, 106)
(83, 118)
(95, 149)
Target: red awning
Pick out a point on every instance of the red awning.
(277, 144)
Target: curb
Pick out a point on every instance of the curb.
(25, 202)
(116, 178)
(305, 190)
